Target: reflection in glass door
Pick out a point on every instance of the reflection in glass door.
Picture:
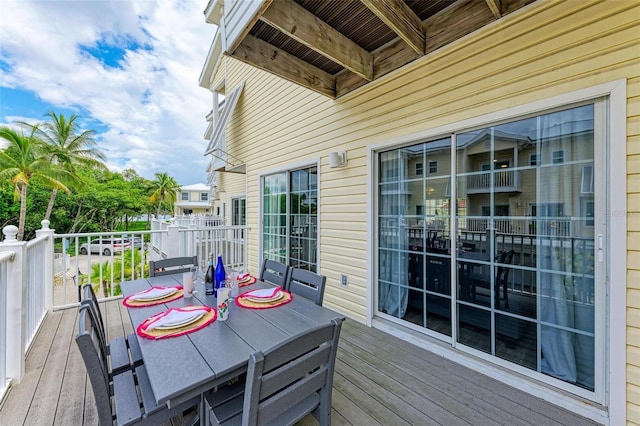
(526, 293)
(522, 248)
(414, 238)
(290, 217)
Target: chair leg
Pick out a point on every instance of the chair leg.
(506, 300)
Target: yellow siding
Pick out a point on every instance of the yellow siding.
(549, 48)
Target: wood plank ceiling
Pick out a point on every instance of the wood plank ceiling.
(335, 46)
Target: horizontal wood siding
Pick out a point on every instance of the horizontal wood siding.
(546, 49)
(633, 245)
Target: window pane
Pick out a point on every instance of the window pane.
(413, 220)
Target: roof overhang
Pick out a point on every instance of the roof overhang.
(335, 47)
(213, 11)
(214, 57)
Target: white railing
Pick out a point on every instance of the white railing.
(99, 263)
(503, 180)
(548, 226)
(27, 279)
(5, 258)
(106, 271)
(198, 220)
(228, 241)
(39, 274)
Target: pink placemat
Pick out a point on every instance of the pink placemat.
(244, 302)
(143, 329)
(247, 281)
(131, 303)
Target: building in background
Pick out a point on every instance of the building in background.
(193, 199)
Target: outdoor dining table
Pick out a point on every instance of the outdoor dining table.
(182, 367)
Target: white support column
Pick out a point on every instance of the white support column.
(16, 298)
(173, 241)
(48, 263)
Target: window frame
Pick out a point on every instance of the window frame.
(557, 159)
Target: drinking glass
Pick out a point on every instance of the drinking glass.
(187, 284)
(194, 276)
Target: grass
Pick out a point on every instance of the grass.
(134, 226)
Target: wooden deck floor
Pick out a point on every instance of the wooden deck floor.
(379, 380)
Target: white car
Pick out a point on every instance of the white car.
(105, 246)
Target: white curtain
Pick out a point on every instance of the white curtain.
(566, 354)
(393, 243)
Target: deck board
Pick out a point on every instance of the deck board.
(379, 379)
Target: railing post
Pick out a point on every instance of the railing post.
(16, 299)
(48, 263)
(173, 241)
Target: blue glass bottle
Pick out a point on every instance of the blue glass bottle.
(219, 276)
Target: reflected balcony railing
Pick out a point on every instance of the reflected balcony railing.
(503, 181)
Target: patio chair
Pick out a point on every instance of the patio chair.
(171, 265)
(307, 284)
(283, 384)
(124, 398)
(275, 272)
(123, 352)
(502, 279)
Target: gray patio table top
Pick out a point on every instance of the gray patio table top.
(182, 367)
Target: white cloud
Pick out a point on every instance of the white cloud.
(152, 104)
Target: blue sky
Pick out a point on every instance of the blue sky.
(128, 68)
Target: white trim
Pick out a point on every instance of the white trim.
(617, 252)
(372, 256)
(615, 389)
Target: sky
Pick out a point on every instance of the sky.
(128, 68)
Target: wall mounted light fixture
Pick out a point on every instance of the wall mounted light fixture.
(337, 159)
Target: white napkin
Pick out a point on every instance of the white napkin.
(175, 316)
(244, 276)
(265, 293)
(152, 293)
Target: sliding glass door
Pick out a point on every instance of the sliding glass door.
(519, 244)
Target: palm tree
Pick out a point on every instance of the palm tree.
(67, 147)
(163, 189)
(22, 161)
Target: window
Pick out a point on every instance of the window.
(587, 180)
(238, 211)
(204, 196)
(533, 160)
(551, 219)
(558, 157)
(587, 211)
(290, 217)
(419, 169)
(502, 164)
(184, 196)
(498, 209)
(433, 167)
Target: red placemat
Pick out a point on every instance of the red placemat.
(144, 303)
(243, 302)
(247, 281)
(156, 333)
